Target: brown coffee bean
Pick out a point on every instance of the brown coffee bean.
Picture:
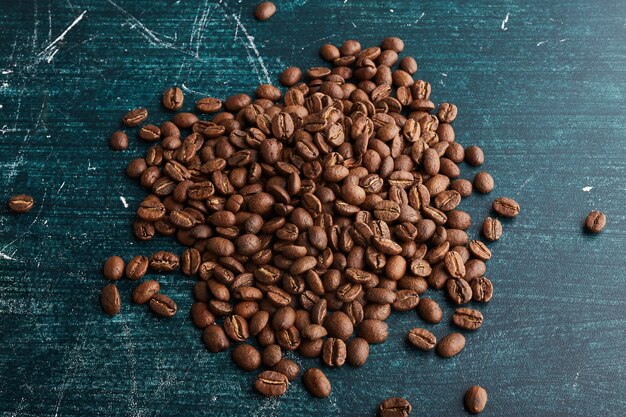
(595, 221)
(265, 10)
(110, 300)
(454, 264)
(288, 368)
(150, 133)
(246, 357)
(475, 399)
(215, 338)
(163, 261)
(201, 315)
(163, 306)
(137, 267)
(173, 98)
(474, 156)
(145, 291)
(483, 182)
(394, 407)
(406, 300)
(373, 331)
(479, 250)
(135, 117)
(467, 318)
(492, 229)
(429, 310)
(236, 327)
(339, 325)
(447, 112)
(334, 352)
(421, 339)
(451, 345)
(209, 105)
(462, 186)
(474, 268)
(271, 355)
(316, 382)
(113, 268)
(482, 289)
(290, 76)
(459, 291)
(357, 351)
(118, 141)
(271, 383)
(506, 207)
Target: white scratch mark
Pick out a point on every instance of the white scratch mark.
(189, 90)
(89, 167)
(237, 27)
(563, 40)
(541, 43)
(253, 46)
(7, 257)
(505, 21)
(587, 189)
(197, 32)
(7, 71)
(353, 23)
(391, 10)
(123, 200)
(420, 18)
(444, 74)
(50, 51)
(61, 187)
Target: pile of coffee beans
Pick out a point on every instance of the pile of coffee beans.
(310, 215)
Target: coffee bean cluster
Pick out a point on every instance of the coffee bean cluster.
(309, 215)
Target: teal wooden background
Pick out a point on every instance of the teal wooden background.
(541, 87)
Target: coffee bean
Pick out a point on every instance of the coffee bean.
(113, 268)
(201, 315)
(271, 383)
(394, 407)
(163, 306)
(474, 268)
(475, 399)
(236, 327)
(479, 250)
(482, 289)
(150, 133)
(265, 10)
(290, 76)
(316, 382)
(595, 221)
(215, 338)
(429, 310)
(246, 357)
(173, 98)
(373, 331)
(421, 339)
(137, 267)
(454, 264)
(483, 182)
(459, 291)
(288, 368)
(163, 261)
(110, 300)
(21, 203)
(474, 156)
(338, 325)
(506, 207)
(492, 229)
(467, 318)
(145, 291)
(462, 186)
(118, 141)
(406, 300)
(271, 355)
(451, 345)
(135, 117)
(334, 352)
(357, 351)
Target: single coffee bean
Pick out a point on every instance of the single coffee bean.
(21, 203)
(406, 300)
(265, 10)
(357, 351)
(394, 407)
(595, 221)
(506, 207)
(451, 345)
(462, 186)
(482, 289)
(421, 339)
(135, 117)
(479, 250)
(236, 327)
(475, 399)
(110, 300)
(209, 105)
(454, 264)
(118, 141)
(483, 182)
(429, 311)
(474, 156)
(373, 331)
(190, 261)
(163, 306)
(145, 291)
(246, 357)
(113, 268)
(334, 352)
(474, 268)
(163, 261)
(467, 318)
(271, 383)
(173, 98)
(459, 291)
(137, 267)
(272, 354)
(150, 133)
(201, 316)
(290, 76)
(288, 368)
(215, 338)
(338, 325)
(316, 382)
(492, 229)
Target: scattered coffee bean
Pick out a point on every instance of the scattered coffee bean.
(145, 291)
(21, 203)
(288, 368)
(482, 289)
(246, 357)
(595, 221)
(394, 407)
(506, 207)
(173, 98)
(483, 182)
(358, 351)
(163, 306)
(467, 318)
(271, 383)
(265, 10)
(135, 117)
(451, 345)
(492, 229)
(215, 338)
(459, 291)
(421, 339)
(113, 268)
(474, 156)
(110, 300)
(163, 261)
(316, 382)
(429, 311)
(119, 141)
(475, 399)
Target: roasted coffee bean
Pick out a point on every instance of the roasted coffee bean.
(113, 268)
(475, 399)
(163, 306)
(373, 331)
(135, 117)
(339, 325)
(288, 368)
(201, 316)
(145, 291)
(137, 267)
(316, 382)
(289, 338)
(492, 229)
(479, 250)
(357, 351)
(190, 261)
(421, 339)
(474, 268)
(215, 338)
(246, 357)
(406, 300)
(271, 383)
(506, 207)
(151, 209)
(163, 261)
(394, 407)
(110, 300)
(459, 291)
(118, 141)
(467, 318)
(236, 327)
(265, 10)
(482, 289)
(451, 345)
(483, 182)
(454, 264)
(429, 310)
(474, 156)
(173, 98)
(595, 221)
(334, 352)
(272, 354)
(290, 76)
(208, 105)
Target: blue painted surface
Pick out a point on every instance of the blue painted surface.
(541, 88)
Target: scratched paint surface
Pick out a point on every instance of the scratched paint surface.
(540, 86)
